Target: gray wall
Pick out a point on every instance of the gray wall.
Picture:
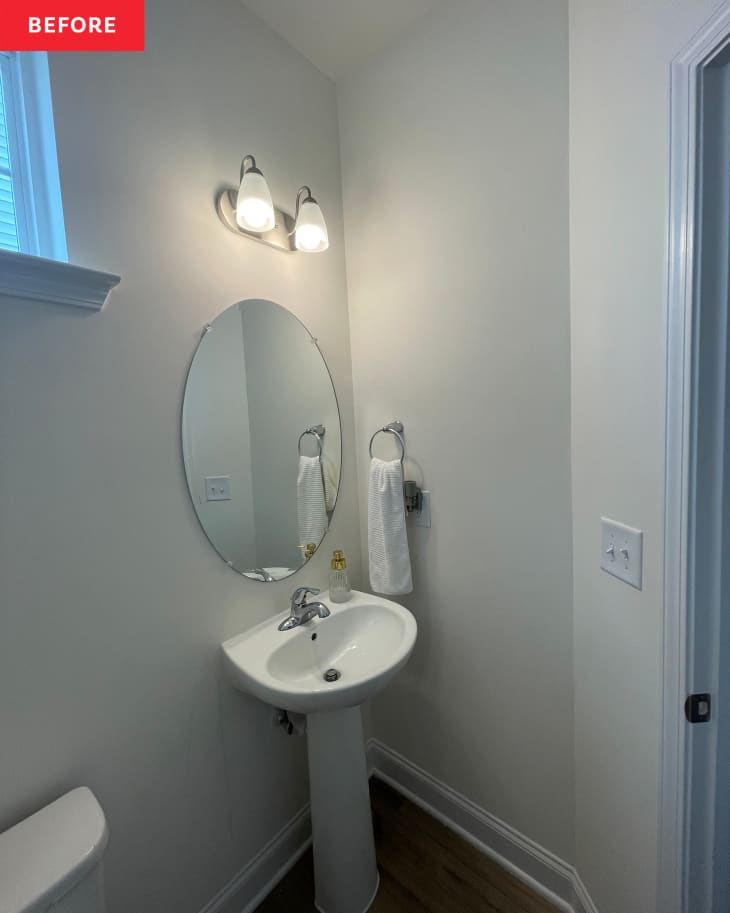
(217, 440)
(620, 54)
(289, 390)
(454, 150)
(113, 603)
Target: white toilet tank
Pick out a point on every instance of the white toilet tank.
(51, 862)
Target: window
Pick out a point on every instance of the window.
(8, 219)
(31, 214)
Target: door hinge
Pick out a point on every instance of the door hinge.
(697, 708)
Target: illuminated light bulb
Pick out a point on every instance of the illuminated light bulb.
(254, 207)
(310, 231)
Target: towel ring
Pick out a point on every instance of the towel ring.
(395, 428)
(317, 431)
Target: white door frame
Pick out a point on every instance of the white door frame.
(684, 627)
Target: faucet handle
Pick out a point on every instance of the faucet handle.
(299, 596)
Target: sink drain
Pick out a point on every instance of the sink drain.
(331, 675)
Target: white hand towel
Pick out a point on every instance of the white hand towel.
(390, 561)
(311, 509)
(331, 483)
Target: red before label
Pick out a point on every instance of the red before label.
(72, 25)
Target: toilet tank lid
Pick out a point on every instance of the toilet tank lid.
(46, 855)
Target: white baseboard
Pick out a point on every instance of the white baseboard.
(550, 876)
(582, 901)
(256, 880)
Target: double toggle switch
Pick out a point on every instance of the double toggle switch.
(611, 550)
(621, 548)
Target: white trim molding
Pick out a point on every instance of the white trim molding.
(259, 877)
(551, 877)
(680, 326)
(53, 281)
(543, 871)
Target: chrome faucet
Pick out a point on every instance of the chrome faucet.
(301, 611)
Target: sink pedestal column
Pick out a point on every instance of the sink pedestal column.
(345, 875)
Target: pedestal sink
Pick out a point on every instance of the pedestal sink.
(364, 642)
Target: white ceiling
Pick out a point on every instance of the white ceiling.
(339, 35)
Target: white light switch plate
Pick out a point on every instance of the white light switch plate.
(621, 551)
(421, 517)
(217, 488)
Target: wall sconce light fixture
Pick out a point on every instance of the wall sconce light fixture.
(249, 210)
(310, 231)
(254, 207)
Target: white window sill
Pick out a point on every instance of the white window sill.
(52, 281)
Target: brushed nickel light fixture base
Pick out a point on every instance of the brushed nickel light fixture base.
(281, 235)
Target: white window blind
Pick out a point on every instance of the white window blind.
(31, 214)
(8, 218)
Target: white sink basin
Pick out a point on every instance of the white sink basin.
(366, 640)
(276, 573)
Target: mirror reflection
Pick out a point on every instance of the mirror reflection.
(261, 439)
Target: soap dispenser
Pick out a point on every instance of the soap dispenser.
(339, 581)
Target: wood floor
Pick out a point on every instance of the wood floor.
(424, 868)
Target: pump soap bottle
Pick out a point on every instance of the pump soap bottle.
(339, 581)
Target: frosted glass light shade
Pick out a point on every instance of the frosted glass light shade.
(310, 231)
(254, 206)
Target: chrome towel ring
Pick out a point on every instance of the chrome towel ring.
(318, 432)
(395, 428)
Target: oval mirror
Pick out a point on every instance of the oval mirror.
(261, 439)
